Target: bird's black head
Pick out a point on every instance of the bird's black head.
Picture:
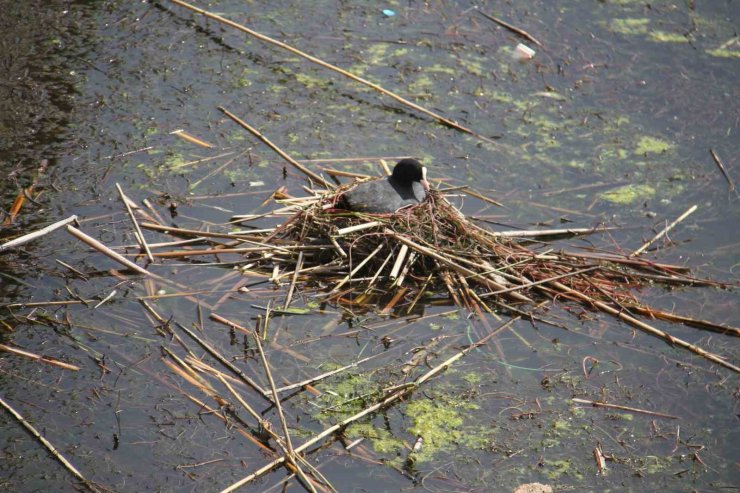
(407, 171)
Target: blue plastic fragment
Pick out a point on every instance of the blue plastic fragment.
(389, 12)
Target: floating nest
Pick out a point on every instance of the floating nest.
(358, 258)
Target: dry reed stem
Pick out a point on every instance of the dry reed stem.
(664, 231)
(376, 87)
(290, 455)
(46, 443)
(89, 240)
(275, 148)
(138, 234)
(623, 408)
(647, 328)
(38, 357)
(37, 234)
(225, 362)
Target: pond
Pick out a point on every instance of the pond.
(626, 116)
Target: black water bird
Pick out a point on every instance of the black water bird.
(406, 186)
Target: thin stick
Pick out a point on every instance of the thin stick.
(48, 303)
(46, 443)
(315, 379)
(722, 168)
(529, 233)
(346, 174)
(225, 362)
(262, 37)
(37, 234)
(298, 266)
(482, 197)
(267, 427)
(665, 231)
(508, 26)
(399, 393)
(645, 327)
(543, 281)
(290, 453)
(107, 251)
(195, 232)
(623, 408)
(275, 148)
(139, 234)
(357, 227)
(221, 251)
(377, 274)
(337, 247)
(193, 140)
(38, 357)
(399, 262)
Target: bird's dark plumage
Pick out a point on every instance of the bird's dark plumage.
(406, 186)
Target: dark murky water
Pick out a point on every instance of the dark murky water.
(612, 121)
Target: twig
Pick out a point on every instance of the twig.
(107, 251)
(623, 408)
(139, 235)
(267, 427)
(193, 140)
(533, 233)
(405, 102)
(38, 357)
(36, 234)
(315, 379)
(298, 265)
(508, 26)
(46, 443)
(482, 197)
(201, 234)
(543, 281)
(692, 322)
(722, 168)
(272, 146)
(290, 455)
(357, 227)
(645, 327)
(665, 231)
(398, 263)
(225, 362)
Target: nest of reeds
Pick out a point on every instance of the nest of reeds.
(356, 257)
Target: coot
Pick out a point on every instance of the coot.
(406, 186)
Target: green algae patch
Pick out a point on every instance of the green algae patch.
(666, 37)
(423, 84)
(629, 26)
(441, 69)
(647, 145)
(309, 81)
(555, 469)
(724, 53)
(473, 65)
(382, 440)
(440, 424)
(628, 194)
(174, 161)
(375, 53)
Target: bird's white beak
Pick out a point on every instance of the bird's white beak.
(424, 181)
